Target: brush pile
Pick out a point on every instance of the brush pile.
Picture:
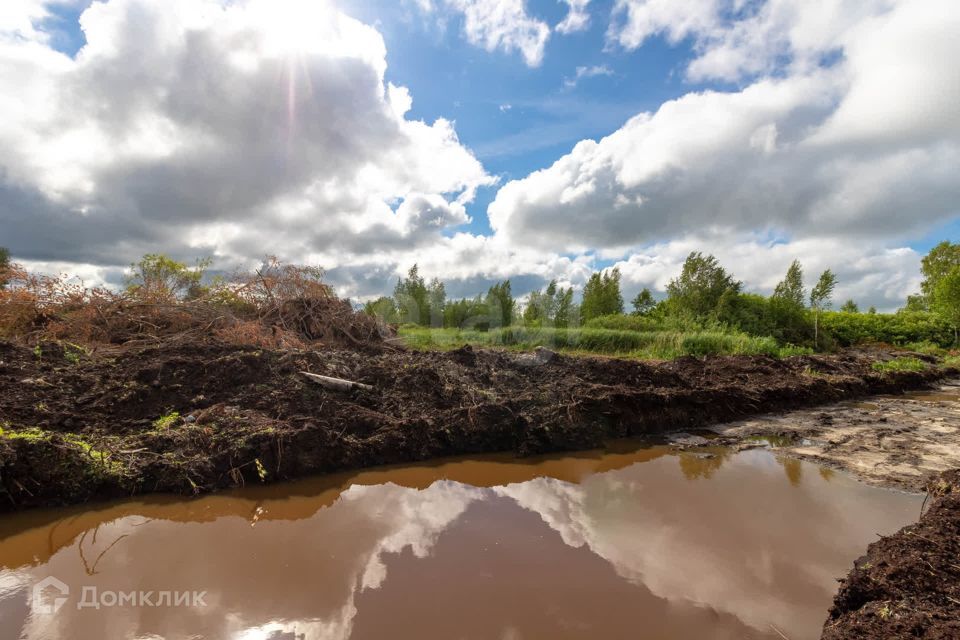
(276, 306)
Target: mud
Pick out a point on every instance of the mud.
(908, 584)
(897, 441)
(191, 418)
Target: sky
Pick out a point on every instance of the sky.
(484, 139)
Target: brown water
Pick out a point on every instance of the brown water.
(629, 544)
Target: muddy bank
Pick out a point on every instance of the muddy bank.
(190, 418)
(897, 441)
(908, 584)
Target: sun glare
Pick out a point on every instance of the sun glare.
(294, 26)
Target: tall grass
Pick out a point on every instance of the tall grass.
(641, 344)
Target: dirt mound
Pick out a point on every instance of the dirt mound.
(195, 416)
(908, 584)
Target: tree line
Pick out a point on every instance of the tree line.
(703, 294)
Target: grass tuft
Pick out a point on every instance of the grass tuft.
(166, 421)
(900, 364)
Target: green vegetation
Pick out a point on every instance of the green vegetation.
(820, 300)
(643, 344)
(601, 295)
(900, 364)
(551, 307)
(166, 421)
(99, 463)
(703, 300)
(261, 471)
(643, 303)
(4, 266)
(901, 328)
(703, 289)
(74, 353)
(945, 300)
(160, 278)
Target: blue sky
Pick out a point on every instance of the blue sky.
(768, 131)
(517, 118)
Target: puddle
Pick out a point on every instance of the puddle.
(950, 394)
(773, 441)
(599, 545)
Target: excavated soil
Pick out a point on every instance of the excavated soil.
(84, 426)
(908, 584)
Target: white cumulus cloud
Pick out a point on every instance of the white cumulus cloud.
(226, 128)
(577, 18)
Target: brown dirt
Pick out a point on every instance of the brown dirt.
(893, 441)
(908, 584)
(78, 427)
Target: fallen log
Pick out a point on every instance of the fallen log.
(337, 384)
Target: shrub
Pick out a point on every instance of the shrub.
(900, 328)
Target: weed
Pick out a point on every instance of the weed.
(885, 612)
(260, 469)
(74, 352)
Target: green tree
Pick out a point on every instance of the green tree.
(436, 299)
(701, 285)
(643, 303)
(158, 277)
(872, 310)
(916, 303)
(850, 307)
(941, 260)
(412, 298)
(946, 299)
(566, 313)
(790, 290)
(820, 300)
(468, 313)
(4, 266)
(601, 295)
(384, 308)
(550, 307)
(501, 304)
(539, 308)
(787, 315)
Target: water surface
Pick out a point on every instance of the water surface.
(619, 544)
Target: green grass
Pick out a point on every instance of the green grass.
(640, 344)
(927, 348)
(951, 362)
(100, 462)
(900, 364)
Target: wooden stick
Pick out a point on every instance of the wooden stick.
(337, 384)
